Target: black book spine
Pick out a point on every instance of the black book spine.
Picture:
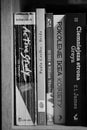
(86, 71)
(75, 51)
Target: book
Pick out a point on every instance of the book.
(24, 68)
(75, 68)
(59, 69)
(49, 68)
(41, 74)
(86, 71)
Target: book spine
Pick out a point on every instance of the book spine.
(75, 68)
(86, 76)
(24, 28)
(59, 69)
(49, 67)
(41, 81)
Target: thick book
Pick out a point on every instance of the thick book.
(24, 68)
(75, 68)
(41, 74)
(59, 69)
(49, 68)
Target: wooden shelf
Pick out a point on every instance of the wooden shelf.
(8, 7)
(54, 127)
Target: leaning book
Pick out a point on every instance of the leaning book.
(24, 68)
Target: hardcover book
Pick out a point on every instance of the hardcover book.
(49, 68)
(59, 69)
(75, 68)
(41, 74)
(24, 68)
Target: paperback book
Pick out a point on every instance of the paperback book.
(49, 68)
(41, 71)
(24, 68)
(59, 69)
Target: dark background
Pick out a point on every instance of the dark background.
(55, 6)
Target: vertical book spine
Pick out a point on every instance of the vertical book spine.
(24, 28)
(86, 70)
(41, 81)
(49, 67)
(75, 68)
(59, 69)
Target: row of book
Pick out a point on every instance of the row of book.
(49, 68)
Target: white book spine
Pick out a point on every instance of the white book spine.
(41, 81)
(59, 69)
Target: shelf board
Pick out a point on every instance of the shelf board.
(54, 127)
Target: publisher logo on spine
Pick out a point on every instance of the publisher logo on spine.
(60, 117)
(41, 106)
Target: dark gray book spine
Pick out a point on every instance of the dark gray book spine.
(49, 67)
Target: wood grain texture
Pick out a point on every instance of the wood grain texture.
(6, 64)
(6, 61)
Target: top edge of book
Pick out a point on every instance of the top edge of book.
(40, 9)
(58, 18)
(22, 18)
